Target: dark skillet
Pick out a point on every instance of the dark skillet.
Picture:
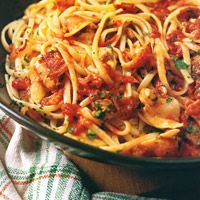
(12, 9)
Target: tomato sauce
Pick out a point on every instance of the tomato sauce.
(53, 99)
(63, 5)
(128, 8)
(21, 83)
(175, 36)
(55, 63)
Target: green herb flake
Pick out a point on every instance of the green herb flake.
(108, 20)
(26, 59)
(91, 135)
(97, 105)
(70, 130)
(198, 90)
(20, 106)
(169, 99)
(180, 64)
(100, 114)
(198, 52)
(102, 95)
(140, 106)
(109, 46)
(189, 129)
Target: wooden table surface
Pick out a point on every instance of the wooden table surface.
(173, 184)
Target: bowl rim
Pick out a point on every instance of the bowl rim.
(103, 155)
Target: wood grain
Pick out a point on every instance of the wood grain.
(174, 184)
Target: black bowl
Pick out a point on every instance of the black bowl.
(15, 9)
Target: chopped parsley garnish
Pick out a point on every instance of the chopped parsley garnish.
(109, 46)
(180, 64)
(100, 114)
(102, 95)
(189, 129)
(198, 52)
(198, 90)
(108, 20)
(97, 104)
(70, 130)
(140, 106)
(75, 118)
(26, 59)
(91, 135)
(169, 99)
(20, 106)
(111, 106)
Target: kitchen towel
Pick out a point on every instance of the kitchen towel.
(34, 169)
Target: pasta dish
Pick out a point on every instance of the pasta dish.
(121, 75)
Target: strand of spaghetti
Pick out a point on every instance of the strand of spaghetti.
(135, 1)
(125, 131)
(71, 69)
(38, 107)
(85, 102)
(33, 9)
(141, 22)
(67, 92)
(87, 114)
(99, 8)
(102, 134)
(186, 58)
(106, 32)
(129, 145)
(171, 16)
(158, 49)
(3, 35)
(95, 55)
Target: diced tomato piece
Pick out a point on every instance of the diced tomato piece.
(72, 111)
(129, 79)
(64, 4)
(188, 13)
(33, 114)
(54, 99)
(128, 8)
(21, 83)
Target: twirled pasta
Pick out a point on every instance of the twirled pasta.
(120, 75)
